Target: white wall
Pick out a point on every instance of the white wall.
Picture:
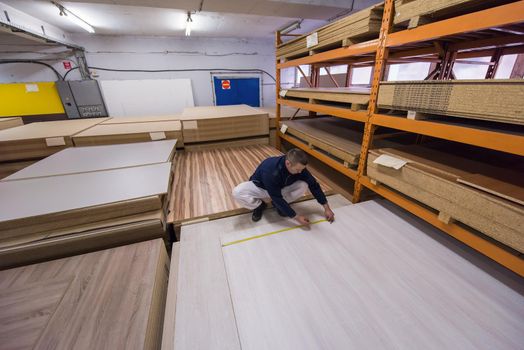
(141, 52)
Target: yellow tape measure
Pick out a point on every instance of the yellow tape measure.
(270, 233)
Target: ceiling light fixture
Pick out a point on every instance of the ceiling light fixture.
(74, 18)
(188, 23)
(288, 28)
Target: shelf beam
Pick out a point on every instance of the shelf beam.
(491, 18)
(499, 141)
(320, 156)
(476, 242)
(340, 112)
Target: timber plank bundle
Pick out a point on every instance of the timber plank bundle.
(364, 24)
(57, 208)
(436, 179)
(356, 97)
(129, 132)
(414, 12)
(109, 299)
(458, 98)
(225, 124)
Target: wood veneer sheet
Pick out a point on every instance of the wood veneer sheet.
(371, 280)
(87, 159)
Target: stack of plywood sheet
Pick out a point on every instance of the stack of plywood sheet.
(110, 299)
(411, 12)
(6, 123)
(361, 25)
(458, 98)
(22, 145)
(274, 285)
(214, 126)
(131, 129)
(356, 97)
(493, 204)
(83, 199)
(286, 113)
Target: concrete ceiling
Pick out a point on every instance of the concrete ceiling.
(217, 18)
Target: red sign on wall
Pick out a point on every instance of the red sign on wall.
(67, 65)
(226, 85)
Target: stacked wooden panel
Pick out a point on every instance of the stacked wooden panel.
(458, 98)
(83, 199)
(126, 130)
(223, 126)
(412, 10)
(23, 144)
(361, 25)
(6, 123)
(110, 299)
(285, 114)
(355, 97)
(436, 179)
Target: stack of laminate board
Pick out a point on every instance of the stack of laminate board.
(362, 282)
(131, 129)
(356, 97)
(458, 98)
(286, 113)
(6, 123)
(429, 10)
(23, 145)
(109, 299)
(487, 198)
(215, 126)
(83, 199)
(361, 25)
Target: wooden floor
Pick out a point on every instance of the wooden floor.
(203, 181)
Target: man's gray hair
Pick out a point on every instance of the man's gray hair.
(296, 155)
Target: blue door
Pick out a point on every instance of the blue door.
(236, 91)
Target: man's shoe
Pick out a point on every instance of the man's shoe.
(257, 213)
(281, 213)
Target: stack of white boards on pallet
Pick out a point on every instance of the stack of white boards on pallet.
(224, 126)
(109, 299)
(358, 26)
(488, 198)
(362, 282)
(457, 98)
(23, 145)
(83, 199)
(6, 123)
(131, 129)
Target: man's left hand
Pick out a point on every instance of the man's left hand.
(328, 213)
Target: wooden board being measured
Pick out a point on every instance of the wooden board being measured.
(7, 123)
(370, 280)
(202, 124)
(88, 159)
(38, 205)
(110, 299)
(431, 177)
(458, 98)
(9, 168)
(354, 95)
(108, 134)
(203, 181)
(38, 140)
(141, 119)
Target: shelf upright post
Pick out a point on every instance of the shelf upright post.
(378, 73)
(278, 41)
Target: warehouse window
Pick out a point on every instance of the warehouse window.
(408, 71)
(298, 75)
(361, 75)
(471, 71)
(506, 65)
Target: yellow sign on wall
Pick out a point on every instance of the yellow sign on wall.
(21, 99)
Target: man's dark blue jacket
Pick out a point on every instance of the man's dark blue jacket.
(272, 175)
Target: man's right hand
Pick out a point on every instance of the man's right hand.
(302, 220)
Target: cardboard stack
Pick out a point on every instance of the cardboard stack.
(458, 98)
(83, 199)
(223, 126)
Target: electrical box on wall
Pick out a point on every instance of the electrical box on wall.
(81, 98)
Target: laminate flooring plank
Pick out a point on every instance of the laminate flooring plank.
(40, 196)
(203, 180)
(95, 158)
(108, 304)
(370, 280)
(168, 339)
